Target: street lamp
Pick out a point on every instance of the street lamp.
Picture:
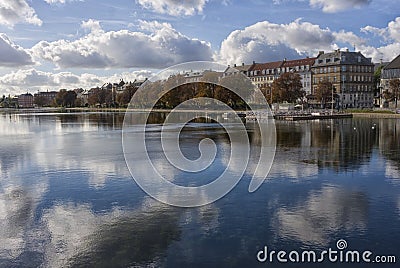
(333, 88)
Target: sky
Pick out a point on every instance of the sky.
(54, 44)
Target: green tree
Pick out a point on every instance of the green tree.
(288, 88)
(377, 78)
(323, 92)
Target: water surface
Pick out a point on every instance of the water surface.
(67, 198)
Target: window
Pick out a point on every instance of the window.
(343, 78)
(359, 59)
(343, 58)
(343, 68)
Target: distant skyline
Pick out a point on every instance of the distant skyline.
(53, 44)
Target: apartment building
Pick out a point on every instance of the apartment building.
(351, 74)
(303, 68)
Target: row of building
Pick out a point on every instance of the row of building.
(351, 74)
(47, 98)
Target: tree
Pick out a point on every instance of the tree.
(394, 87)
(69, 98)
(60, 97)
(288, 88)
(40, 101)
(377, 78)
(100, 96)
(65, 98)
(323, 92)
(125, 97)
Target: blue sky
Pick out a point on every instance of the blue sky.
(53, 44)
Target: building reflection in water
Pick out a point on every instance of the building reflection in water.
(306, 147)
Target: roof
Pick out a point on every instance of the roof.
(394, 64)
(243, 67)
(335, 58)
(26, 95)
(268, 65)
(299, 62)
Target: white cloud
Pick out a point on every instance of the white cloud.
(332, 6)
(390, 36)
(33, 80)
(12, 55)
(349, 38)
(161, 47)
(173, 7)
(389, 33)
(17, 11)
(266, 41)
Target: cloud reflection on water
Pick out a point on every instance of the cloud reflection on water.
(322, 214)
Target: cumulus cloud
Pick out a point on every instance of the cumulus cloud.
(390, 36)
(173, 7)
(33, 80)
(12, 55)
(162, 46)
(17, 11)
(332, 6)
(266, 41)
(390, 33)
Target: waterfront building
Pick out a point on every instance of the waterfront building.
(25, 100)
(389, 72)
(303, 68)
(48, 97)
(243, 68)
(264, 74)
(351, 75)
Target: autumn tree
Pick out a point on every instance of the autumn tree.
(39, 100)
(100, 96)
(323, 92)
(394, 88)
(65, 98)
(287, 87)
(125, 97)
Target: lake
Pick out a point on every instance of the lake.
(67, 198)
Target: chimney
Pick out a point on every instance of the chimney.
(321, 52)
(254, 62)
(242, 63)
(284, 59)
(347, 50)
(234, 65)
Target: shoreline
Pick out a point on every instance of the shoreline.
(123, 110)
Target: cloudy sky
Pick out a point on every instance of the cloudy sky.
(53, 44)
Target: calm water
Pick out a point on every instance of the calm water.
(67, 198)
